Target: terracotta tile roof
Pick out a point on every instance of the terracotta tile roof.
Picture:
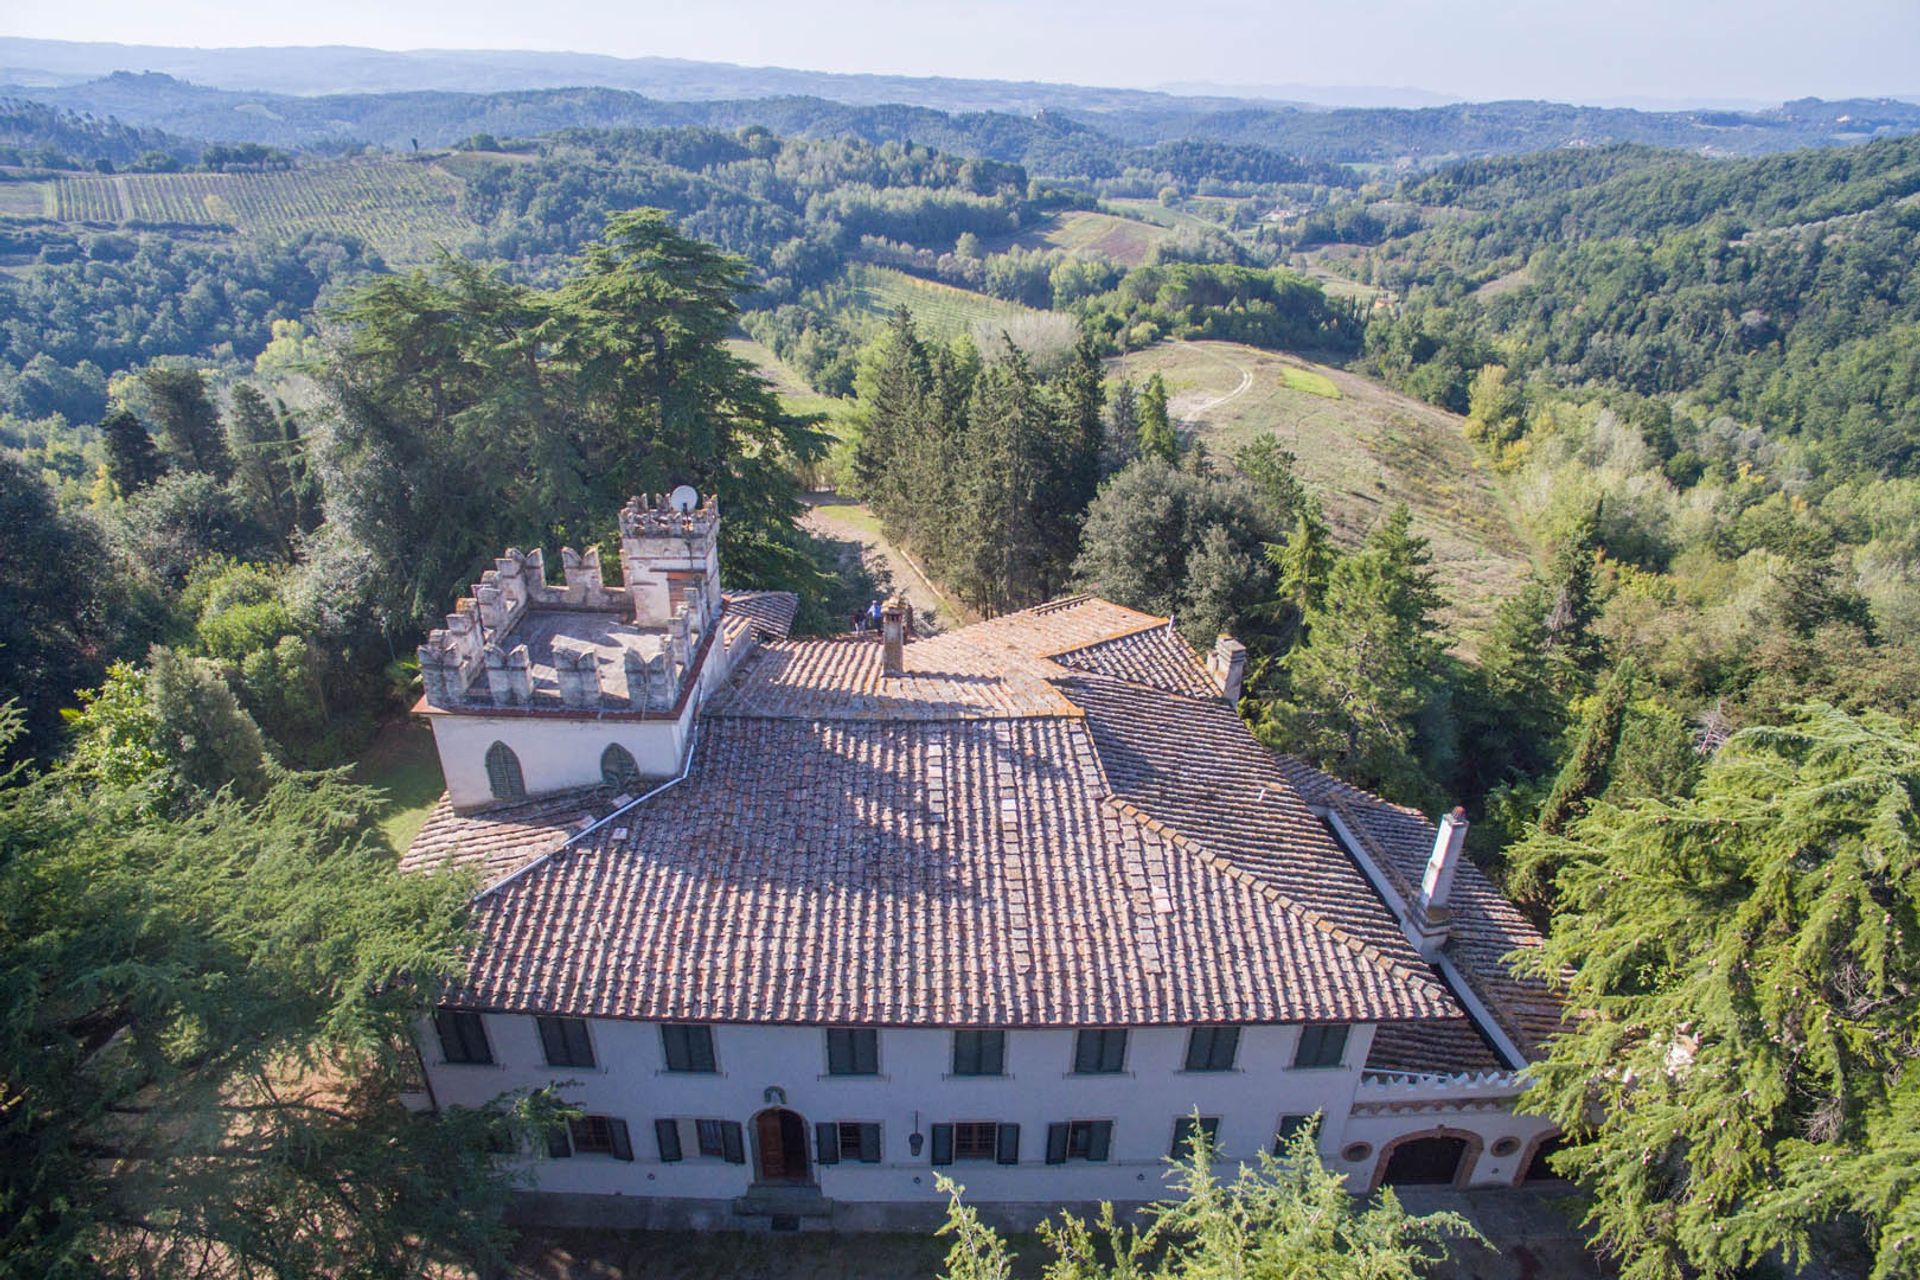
(911, 873)
(500, 840)
(1485, 925)
(1440, 1047)
(1042, 822)
(1157, 657)
(770, 612)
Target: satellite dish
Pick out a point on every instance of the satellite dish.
(684, 499)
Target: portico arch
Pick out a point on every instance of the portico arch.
(1440, 1156)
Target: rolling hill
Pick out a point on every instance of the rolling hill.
(1362, 447)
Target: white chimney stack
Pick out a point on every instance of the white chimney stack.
(1436, 887)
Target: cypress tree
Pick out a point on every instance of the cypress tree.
(1122, 442)
(1157, 437)
(132, 461)
(1584, 776)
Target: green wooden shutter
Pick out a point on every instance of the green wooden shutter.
(869, 1144)
(700, 1048)
(667, 1134)
(993, 1053)
(1056, 1144)
(943, 1144)
(1101, 1139)
(622, 1141)
(826, 1142)
(579, 1044)
(1007, 1148)
(559, 1145)
(733, 1143)
(839, 1052)
(552, 1042)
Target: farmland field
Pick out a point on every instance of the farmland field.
(1362, 447)
(403, 209)
(940, 310)
(23, 199)
(1125, 240)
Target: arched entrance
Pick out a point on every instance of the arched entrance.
(780, 1147)
(1537, 1168)
(1436, 1158)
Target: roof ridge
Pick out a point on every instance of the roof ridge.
(1271, 892)
(1128, 633)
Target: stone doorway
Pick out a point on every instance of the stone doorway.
(780, 1146)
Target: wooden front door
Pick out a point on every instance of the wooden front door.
(782, 1139)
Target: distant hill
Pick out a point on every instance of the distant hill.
(1081, 141)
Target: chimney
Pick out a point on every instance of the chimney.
(1228, 665)
(896, 628)
(1436, 887)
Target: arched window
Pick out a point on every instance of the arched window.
(617, 768)
(503, 773)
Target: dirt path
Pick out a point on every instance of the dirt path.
(844, 520)
(1188, 408)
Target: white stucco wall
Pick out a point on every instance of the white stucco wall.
(556, 754)
(916, 1090)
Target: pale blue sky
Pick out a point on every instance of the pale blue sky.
(1574, 50)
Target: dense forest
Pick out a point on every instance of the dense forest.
(227, 460)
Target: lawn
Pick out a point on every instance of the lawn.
(402, 762)
(1363, 448)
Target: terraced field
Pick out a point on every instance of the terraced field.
(402, 208)
(1362, 447)
(940, 310)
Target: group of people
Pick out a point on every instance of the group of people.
(867, 619)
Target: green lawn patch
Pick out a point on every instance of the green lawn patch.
(403, 763)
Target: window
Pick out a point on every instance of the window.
(1100, 1053)
(617, 768)
(592, 1136)
(1079, 1140)
(846, 1140)
(853, 1051)
(689, 1048)
(463, 1037)
(1183, 1131)
(1321, 1046)
(976, 1140)
(1212, 1048)
(1289, 1125)
(566, 1042)
(979, 1053)
(503, 773)
(713, 1139)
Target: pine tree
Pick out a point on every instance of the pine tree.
(1584, 776)
(1122, 442)
(1302, 563)
(1281, 1217)
(1360, 683)
(1157, 436)
(263, 444)
(185, 419)
(132, 461)
(212, 1022)
(1571, 578)
(1737, 1085)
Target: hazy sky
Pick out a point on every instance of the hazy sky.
(1582, 50)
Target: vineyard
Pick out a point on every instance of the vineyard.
(940, 310)
(403, 209)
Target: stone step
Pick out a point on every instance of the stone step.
(783, 1202)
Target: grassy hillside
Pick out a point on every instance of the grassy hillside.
(403, 208)
(1125, 240)
(940, 310)
(1362, 447)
